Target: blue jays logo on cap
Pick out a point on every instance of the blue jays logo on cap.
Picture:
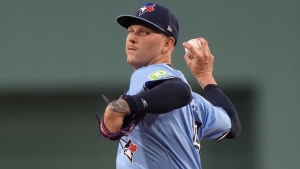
(146, 8)
(156, 15)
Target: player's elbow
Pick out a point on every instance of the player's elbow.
(180, 92)
(232, 134)
(235, 130)
(186, 94)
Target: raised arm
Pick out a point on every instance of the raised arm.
(201, 66)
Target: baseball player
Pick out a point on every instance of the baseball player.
(160, 121)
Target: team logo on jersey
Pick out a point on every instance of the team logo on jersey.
(129, 149)
(146, 8)
(158, 74)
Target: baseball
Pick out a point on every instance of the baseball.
(196, 43)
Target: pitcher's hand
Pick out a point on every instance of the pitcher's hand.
(201, 64)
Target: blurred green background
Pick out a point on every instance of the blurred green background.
(57, 57)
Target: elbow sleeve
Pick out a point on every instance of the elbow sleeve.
(167, 95)
(217, 98)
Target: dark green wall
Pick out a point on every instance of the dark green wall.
(58, 56)
(60, 131)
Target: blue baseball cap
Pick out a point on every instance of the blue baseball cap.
(156, 15)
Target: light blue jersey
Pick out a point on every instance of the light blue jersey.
(170, 140)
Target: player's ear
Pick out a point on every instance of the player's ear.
(168, 44)
(170, 41)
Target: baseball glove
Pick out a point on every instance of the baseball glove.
(128, 124)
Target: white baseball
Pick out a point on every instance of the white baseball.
(196, 43)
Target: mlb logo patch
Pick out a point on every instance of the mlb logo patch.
(158, 74)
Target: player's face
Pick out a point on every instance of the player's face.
(144, 46)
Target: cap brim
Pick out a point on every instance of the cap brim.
(127, 20)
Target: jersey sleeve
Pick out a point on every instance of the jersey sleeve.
(149, 77)
(215, 123)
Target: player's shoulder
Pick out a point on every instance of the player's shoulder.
(156, 72)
